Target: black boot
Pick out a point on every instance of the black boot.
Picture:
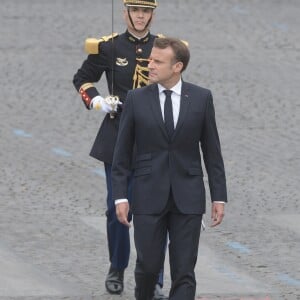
(158, 294)
(114, 282)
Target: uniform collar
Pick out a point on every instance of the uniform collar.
(135, 40)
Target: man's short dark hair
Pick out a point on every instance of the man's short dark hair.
(180, 49)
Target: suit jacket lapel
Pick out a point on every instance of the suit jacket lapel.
(155, 105)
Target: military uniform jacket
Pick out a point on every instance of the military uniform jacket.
(124, 60)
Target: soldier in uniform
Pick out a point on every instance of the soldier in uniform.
(124, 60)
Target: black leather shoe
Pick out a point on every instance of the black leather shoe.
(158, 294)
(114, 282)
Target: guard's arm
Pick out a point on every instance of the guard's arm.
(97, 62)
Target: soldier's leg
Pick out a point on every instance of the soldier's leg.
(118, 242)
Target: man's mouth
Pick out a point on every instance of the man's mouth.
(151, 74)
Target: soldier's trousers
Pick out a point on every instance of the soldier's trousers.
(117, 233)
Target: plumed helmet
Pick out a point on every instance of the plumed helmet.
(141, 3)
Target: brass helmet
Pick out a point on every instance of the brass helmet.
(141, 3)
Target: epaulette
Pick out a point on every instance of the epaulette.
(92, 44)
(185, 42)
(160, 35)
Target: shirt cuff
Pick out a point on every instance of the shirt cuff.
(118, 201)
(219, 202)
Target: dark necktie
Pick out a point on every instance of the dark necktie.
(168, 113)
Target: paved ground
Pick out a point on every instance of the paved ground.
(53, 243)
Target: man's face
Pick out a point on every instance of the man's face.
(162, 67)
(140, 17)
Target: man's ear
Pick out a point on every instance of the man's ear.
(178, 67)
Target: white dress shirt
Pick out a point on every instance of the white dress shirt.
(175, 96)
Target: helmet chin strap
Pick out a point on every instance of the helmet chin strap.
(130, 19)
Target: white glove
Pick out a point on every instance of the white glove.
(96, 103)
(103, 103)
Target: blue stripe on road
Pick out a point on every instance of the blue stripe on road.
(288, 280)
(239, 10)
(239, 247)
(62, 152)
(20, 132)
(281, 26)
(99, 172)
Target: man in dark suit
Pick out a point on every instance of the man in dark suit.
(165, 122)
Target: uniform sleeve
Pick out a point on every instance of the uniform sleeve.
(89, 73)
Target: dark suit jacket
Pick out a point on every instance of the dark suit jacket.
(161, 162)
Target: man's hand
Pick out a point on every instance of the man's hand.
(122, 210)
(217, 213)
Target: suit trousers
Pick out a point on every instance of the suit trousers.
(117, 233)
(150, 232)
